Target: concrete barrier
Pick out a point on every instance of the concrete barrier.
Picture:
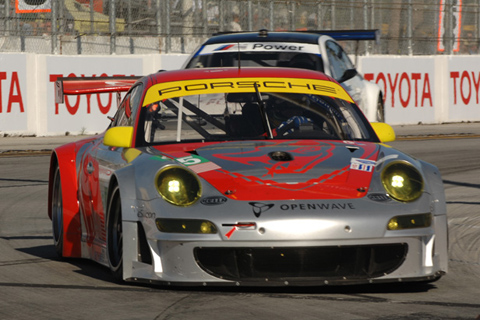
(427, 90)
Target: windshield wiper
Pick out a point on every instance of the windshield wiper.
(263, 111)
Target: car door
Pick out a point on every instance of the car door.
(110, 159)
(97, 166)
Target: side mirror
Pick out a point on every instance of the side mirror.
(384, 131)
(347, 75)
(120, 137)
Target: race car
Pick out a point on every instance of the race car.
(314, 50)
(244, 177)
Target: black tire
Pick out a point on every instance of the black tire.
(57, 212)
(115, 235)
(380, 110)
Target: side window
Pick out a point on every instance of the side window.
(135, 98)
(129, 107)
(123, 112)
(339, 61)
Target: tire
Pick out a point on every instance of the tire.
(115, 235)
(380, 110)
(57, 212)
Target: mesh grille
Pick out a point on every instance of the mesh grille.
(333, 262)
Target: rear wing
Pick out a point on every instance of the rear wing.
(340, 35)
(91, 85)
(357, 35)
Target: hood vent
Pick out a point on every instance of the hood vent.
(280, 156)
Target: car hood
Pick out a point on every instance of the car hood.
(270, 170)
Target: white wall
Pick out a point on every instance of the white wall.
(433, 89)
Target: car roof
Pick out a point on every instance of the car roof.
(235, 72)
(301, 37)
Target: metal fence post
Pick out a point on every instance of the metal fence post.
(409, 28)
(221, 21)
(291, 15)
(54, 5)
(477, 26)
(352, 15)
(319, 16)
(92, 17)
(447, 38)
(129, 17)
(271, 16)
(158, 22)
(205, 17)
(112, 26)
(365, 24)
(250, 15)
(7, 18)
(332, 8)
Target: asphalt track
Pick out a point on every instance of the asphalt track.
(36, 284)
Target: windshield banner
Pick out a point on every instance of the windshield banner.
(175, 89)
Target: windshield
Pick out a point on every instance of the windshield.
(308, 61)
(252, 115)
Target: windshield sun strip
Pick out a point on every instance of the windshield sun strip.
(175, 89)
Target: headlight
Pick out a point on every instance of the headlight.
(178, 186)
(402, 181)
(186, 226)
(413, 221)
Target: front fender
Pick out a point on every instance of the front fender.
(435, 188)
(126, 181)
(371, 94)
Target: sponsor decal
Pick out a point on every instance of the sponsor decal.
(146, 214)
(362, 164)
(410, 89)
(379, 197)
(317, 206)
(259, 208)
(261, 47)
(174, 89)
(212, 201)
(197, 164)
(231, 47)
(15, 93)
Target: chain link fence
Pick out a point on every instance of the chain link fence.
(70, 27)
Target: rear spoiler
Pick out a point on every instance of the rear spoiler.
(91, 85)
(340, 35)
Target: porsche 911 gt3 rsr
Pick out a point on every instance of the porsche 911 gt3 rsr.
(250, 176)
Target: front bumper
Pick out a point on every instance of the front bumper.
(402, 257)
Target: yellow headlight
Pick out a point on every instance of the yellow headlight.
(178, 186)
(423, 220)
(186, 226)
(402, 181)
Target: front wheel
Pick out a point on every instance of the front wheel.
(115, 235)
(57, 212)
(380, 110)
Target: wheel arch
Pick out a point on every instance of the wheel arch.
(372, 93)
(64, 158)
(136, 249)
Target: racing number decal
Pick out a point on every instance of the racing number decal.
(197, 164)
(191, 160)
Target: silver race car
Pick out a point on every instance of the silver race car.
(245, 176)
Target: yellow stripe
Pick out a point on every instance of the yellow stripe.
(175, 89)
